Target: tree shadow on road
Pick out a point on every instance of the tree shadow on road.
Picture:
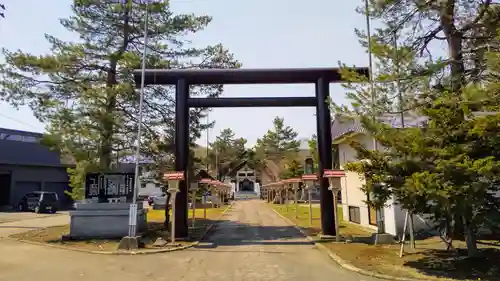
(230, 233)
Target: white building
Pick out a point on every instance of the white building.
(149, 185)
(353, 203)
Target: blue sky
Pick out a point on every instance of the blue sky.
(261, 34)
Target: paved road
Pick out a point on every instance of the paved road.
(253, 244)
(12, 216)
(23, 224)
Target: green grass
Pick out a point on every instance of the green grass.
(345, 228)
(159, 215)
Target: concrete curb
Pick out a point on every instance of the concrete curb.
(344, 264)
(129, 253)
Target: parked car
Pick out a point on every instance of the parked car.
(160, 200)
(39, 202)
(152, 197)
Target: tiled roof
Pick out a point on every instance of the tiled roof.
(343, 125)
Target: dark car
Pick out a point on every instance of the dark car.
(39, 202)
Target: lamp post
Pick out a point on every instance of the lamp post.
(287, 186)
(193, 188)
(335, 190)
(173, 191)
(333, 177)
(309, 184)
(205, 195)
(206, 185)
(309, 177)
(133, 207)
(296, 198)
(173, 188)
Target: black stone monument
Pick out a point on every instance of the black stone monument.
(105, 186)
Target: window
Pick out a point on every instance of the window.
(14, 137)
(354, 214)
(33, 196)
(49, 197)
(6, 136)
(29, 139)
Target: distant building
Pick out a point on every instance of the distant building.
(26, 165)
(354, 199)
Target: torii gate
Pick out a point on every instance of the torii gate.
(183, 78)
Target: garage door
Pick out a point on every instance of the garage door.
(23, 187)
(59, 188)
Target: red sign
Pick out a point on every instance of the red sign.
(310, 177)
(333, 174)
(174, 176)
(209, 181)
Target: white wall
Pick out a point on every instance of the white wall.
(148, 189)
(390, 221)
(352, 195)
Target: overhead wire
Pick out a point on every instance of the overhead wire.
(18, 121)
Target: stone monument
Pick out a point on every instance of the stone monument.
(104, 214)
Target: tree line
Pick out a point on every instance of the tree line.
(84, 92)
(442, 160)
(280, 144)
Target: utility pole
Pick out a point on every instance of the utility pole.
(208, 141)
(133, 213)
(370, 64)
(216, 162)
(408, 216)
(379, 212)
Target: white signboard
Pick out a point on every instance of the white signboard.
(132, 215)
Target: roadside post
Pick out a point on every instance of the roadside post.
(296, 197)
(309, 185)
(293, 184)
(173, 179)
(193, 188)
(206, 182)
(286, 186)
(333, 177)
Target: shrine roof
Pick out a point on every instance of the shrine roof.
(346, 125)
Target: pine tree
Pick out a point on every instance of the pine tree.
(84, 91)
(226, 151)
(313, 150)
(279, 142)
(447, 167)
(293, 169)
